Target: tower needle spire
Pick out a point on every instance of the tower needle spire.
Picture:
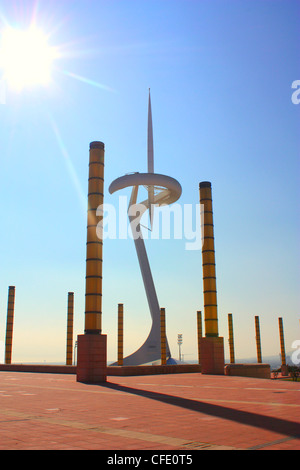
(150, 155)
(150, 138)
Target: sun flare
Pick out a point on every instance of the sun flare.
(26, 58)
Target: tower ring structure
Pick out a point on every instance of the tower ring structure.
(162, 190)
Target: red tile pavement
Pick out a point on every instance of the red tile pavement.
(161, 412)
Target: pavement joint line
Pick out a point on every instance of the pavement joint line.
(138, 435)
(278, 441)
(63, 389)
(202, 400)
(247, 388)
(270, 390)
(13, 420)
(242, 402)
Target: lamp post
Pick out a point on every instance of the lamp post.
(75, 349)
(179, 342)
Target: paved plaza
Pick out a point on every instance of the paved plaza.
(185, 412)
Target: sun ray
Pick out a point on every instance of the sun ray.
(87, 81)
(35, 12)
(3, 20)
(69, 164)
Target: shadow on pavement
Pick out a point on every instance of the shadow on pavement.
(280, 426)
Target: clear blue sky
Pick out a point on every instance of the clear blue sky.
(220, 74)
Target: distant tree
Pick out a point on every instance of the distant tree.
(294, 372)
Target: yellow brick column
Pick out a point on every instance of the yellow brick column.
(257, 337)
(163, 336)
(231, 340)
(208, 261)
(93, 285)
(199, 334)
(92, 346)
(212, 346)
(120, 334)
(70, 320)
(284, 369)
(9, 324)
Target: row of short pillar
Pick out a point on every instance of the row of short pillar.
(200, 337)
(10, 326)
(257, 339)
(163, 337)
(70, 321)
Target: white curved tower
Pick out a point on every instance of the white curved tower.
(162, 190)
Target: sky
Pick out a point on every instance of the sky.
(221, 75)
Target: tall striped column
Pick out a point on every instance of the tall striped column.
(163, 354)
(208, 261)
(9, 324)
(231, 340)
(257, 337)
(199, 334)
(70, 319)
(93, 285)
(92, 346)
(284, 369)
(120, 334)
(212, 346)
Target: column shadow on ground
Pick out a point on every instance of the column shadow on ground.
(277, 425)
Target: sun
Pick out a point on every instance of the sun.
(26, 58)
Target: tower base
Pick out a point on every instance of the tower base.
(91, 358)
(212, 355)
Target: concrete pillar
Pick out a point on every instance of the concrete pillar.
(257, 337)
(284, 368)
(70, 319)
(231, 340)
(163, 354)
(199, 333)
(92, 346)
(120, 334)
(9, 324)
(212, 346)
